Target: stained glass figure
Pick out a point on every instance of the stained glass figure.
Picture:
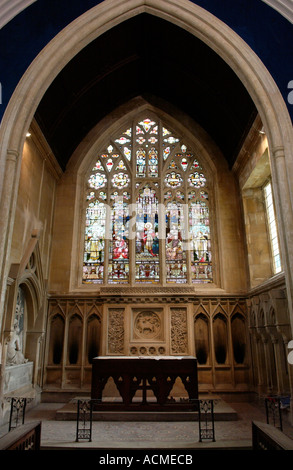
(147, 242)
(118, 267)
(153, 163)
(140, 163)
(176, 269)
(93, 264)
(199, 228)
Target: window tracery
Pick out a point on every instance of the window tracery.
(147, 211)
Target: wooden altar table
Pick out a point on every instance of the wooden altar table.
(133, 373)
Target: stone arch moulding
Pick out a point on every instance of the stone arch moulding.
(212, 31)
(12, 8)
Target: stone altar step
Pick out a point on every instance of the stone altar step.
(222, 412)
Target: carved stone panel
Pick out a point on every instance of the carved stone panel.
(178, 331)
(147, 325)
(116, 331)
(147, 336)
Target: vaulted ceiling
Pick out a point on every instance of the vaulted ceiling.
(150, 57)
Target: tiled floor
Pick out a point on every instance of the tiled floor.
(119, 435)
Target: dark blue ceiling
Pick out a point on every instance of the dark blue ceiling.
(150, 57)
(265, 31)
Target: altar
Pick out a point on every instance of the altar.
(155, 373)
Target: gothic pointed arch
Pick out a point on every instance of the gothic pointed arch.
(199, 22)
(146, 205)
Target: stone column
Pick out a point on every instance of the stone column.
(284, 210)
(7, 208)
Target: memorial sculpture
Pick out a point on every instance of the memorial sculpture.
(14, 353)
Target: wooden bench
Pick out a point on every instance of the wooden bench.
(24, 437)
(267, 437)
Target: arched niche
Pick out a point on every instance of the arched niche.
(93, 337)
(261, 319)
(74, 340)
(57, 326)
(220, 338)
(238, 331)
(201, 338)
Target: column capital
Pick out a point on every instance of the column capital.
(278, 151)
(12, 155)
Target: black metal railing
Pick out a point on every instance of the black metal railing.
(17, 411)
(206, 420)
(204, 408)
(274, 406)
(84, 420)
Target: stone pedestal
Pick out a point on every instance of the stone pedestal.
(17, 377)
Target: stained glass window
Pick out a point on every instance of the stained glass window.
(147, 210)
(272, 225)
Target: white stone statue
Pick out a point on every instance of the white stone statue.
(14, 353)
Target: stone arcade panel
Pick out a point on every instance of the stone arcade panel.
(214, 330)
